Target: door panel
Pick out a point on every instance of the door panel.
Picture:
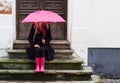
(24, 28)
(53, 4)
(58, 6)
(24, 7)
(31, 4)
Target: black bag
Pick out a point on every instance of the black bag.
(30, 53)
(50, 53)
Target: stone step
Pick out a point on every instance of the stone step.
(57, 64)
(59, 53)
(48, 75)
(94, 79)
(57, 44)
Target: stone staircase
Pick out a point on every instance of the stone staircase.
(65, 68)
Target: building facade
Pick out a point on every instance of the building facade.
(92, 26)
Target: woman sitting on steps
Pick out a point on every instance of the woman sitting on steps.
(39, 38)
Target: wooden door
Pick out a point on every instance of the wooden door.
(24, 7)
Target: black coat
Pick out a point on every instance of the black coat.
(32, 41)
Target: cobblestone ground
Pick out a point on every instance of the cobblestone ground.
(103, 81)
(111, 80)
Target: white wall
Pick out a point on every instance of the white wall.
(94, 23)
(104, 23)
(7, 27)
(100, 19)
(78, 26)
(5, 31)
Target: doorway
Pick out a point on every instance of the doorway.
(24, 7)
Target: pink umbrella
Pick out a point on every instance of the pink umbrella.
(43, 16)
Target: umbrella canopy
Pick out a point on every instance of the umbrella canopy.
(43, 16)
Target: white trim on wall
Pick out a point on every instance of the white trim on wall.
(69, 19)
(14, 20)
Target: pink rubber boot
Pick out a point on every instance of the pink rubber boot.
(37, 61)
(42, 62)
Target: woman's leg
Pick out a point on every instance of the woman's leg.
(42, 59)
(37, 60)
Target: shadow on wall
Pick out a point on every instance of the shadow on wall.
(105, 62)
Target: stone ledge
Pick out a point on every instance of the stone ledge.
(21, 53)
(86, 70)
(52, 42)
(95, 79)
(57, 44)
(7, 60)
(48, 75)
(58, 64)
(24, 51)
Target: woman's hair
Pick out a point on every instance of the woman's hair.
(41, 28)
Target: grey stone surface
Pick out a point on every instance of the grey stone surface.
(103, 81)
(3, 53)
(105, 61)
(47, 82)
(111, 80)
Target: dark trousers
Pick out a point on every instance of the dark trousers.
(40, 52)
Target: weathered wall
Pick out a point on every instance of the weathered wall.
(105, 62)
(7, 30)
(104, 41)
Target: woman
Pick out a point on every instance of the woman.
(39, 38)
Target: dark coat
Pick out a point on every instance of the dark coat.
(32, 40)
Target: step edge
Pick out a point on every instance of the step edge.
(31, 61)
(77, 72)
(56, 50)
(47, 81)
(52, 42)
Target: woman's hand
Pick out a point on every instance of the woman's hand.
(37, 46)
(43, 41)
